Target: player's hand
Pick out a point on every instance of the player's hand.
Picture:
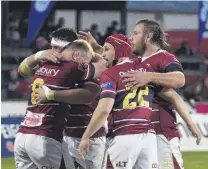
(50, 55)
(88, 37)
(135, 80)
(83, 147)
(40, 96)
(196, 133)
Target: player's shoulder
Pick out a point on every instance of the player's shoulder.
(165, 53)
(114, 70)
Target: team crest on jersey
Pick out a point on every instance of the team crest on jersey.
(108, 85)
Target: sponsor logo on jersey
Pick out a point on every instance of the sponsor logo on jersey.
(108, 85)
(148, 65)
(47, 72)
(132, 70)
(121, 164)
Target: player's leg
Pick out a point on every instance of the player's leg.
(72, 153)
(123, 151)
(169, 154)
(95, 158)
(147, 158)
(22, 160)
(106, 162)
(176, 153)
(44, 151)
(165, 159)
(68, 159)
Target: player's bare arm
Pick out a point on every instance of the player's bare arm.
(171, 96)
(30, 64)
(138, 79)
(84, 95)
(88, 37)
(98, 119)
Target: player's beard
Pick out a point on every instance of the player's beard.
(141, 47)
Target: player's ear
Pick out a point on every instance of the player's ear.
(75, 55)
(149, 37)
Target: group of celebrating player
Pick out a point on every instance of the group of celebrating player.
(93, 107)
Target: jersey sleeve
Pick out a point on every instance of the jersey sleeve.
(108, 86)
(171, 64)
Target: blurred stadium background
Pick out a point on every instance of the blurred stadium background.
(26, 27)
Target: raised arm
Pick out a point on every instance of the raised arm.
(30, 64)
(88, 37)
(171, 96)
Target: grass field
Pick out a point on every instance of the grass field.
(192, 160)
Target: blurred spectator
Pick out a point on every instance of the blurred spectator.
(95, 33)
(184, 49)
(23, 30)
(14, 35)
(23, 27)
(193, 92)
(61, 23)
(111, 29)
(41, 44)
(114, 25)
(13, 38)
(13, 22)
(13, 84)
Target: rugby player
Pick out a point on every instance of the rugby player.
(38, 142)
(147, 41)
(126, 118)
(80, 115)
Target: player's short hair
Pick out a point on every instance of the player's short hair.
(158, 36)
(64, 34)
(81, 45)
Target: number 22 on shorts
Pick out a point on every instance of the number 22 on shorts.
(140, 98)
(37, 84)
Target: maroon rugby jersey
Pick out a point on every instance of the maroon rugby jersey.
(163, 117)
(48, 119)
(132, 109)
(79, 118)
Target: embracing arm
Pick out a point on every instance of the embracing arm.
(171, 96)
(84, 95)
(30, 64)
(170, 79)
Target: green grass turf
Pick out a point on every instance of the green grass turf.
(192, 160)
